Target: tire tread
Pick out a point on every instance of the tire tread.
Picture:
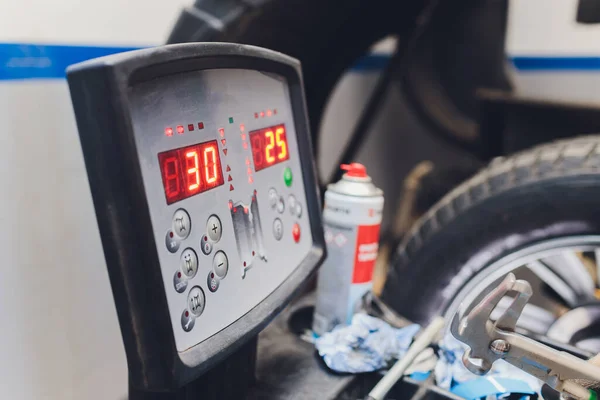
(502, 174)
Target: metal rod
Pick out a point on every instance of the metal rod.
(397, 371)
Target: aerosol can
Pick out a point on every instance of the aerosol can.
(351, 220)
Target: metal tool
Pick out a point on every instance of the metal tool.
(490, 341)
(395, 373)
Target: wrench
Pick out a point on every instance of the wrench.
(490, 341)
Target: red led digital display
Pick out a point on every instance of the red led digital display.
(190, 170)
(269, 146)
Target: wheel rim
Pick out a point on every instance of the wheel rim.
(564, 274)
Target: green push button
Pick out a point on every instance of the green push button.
(287, 176)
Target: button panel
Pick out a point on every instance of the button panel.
(187, 320)
(280, 205)
(214, 228)
(206, 245)
(182, 224)
(220, 264)
(287, 176)
(273, 197)
(298, 210)
(180, 281)
(212, 282)
(277, 229)
(196, 301)
(171, 241)
(189, 263)
(296, 232)
(292, 204)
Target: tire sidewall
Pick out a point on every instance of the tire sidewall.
(423, 282)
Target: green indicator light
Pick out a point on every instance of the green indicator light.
(287, 176)
(231, 120)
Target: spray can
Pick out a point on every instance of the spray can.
(351, 221)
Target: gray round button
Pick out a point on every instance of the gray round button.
(206, 245)
(189, 262)
(277, 229)
(298, 209)
(196, 301)
(273, 197)
(172, 242)
(214, 228)
(212, 281)
(180, 282)
(220, 264)
(292, 204)
(187, 321)
(182, 224)
(280, 205)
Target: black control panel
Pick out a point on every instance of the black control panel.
(201, 170)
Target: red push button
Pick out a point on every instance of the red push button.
(296, 232)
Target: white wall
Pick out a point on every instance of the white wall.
(548, 28)
(89, 22)
(60, 338)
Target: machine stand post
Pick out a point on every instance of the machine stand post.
(230, 379)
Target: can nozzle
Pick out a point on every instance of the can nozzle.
(355, 169)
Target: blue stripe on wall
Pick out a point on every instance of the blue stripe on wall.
(33, 61)
(556, 63)
(375, 62)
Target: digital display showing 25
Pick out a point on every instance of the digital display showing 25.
(190, 170)
(269, 146)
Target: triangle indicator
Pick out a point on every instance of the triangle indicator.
(228, 169)
(225, 151)
(229, 179)
(223, 141)
(230, 187)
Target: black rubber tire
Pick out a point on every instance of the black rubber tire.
(461, 50)
(550, 191)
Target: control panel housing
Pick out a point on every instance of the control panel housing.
(201, 170)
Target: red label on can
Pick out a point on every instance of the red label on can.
(367, 245)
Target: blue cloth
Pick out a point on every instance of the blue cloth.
(481, 388)
(367, 344)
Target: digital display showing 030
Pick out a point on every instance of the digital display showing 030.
(190, 170)
(269, 146)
